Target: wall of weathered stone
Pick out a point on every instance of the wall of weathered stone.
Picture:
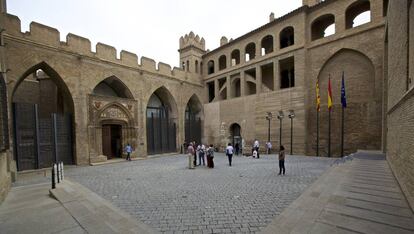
(77, 70)
(400, 108)
(356, 51)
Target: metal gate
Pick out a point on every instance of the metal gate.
(161, 133)
(41, 141)
(192, 127)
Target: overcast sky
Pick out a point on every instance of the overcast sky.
(150, 28)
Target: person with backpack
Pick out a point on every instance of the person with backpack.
(229, 152)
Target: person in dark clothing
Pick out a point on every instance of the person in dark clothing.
(237, 148)
(282, 160)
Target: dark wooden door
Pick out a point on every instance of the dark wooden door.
(116, 143)
(106, 141)
(112, 140)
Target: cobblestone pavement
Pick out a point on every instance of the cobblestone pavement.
(163, 193)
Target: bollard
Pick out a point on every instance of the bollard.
(62, 175)
(53, 177)
(57, 173)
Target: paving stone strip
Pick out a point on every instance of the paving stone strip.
(93, 213)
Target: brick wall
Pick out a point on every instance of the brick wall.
(400, 114)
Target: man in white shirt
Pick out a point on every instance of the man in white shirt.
(229, 152)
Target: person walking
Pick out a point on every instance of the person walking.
(229, 152)
(128, 150)
(210, 156)
(256, 147)
(190, 151)
(282, 160)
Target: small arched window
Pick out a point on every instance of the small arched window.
(267, 44)
(222, 62)
(287, 37)
(323, 26)
(250, 51)
(196, 66)
(188, 65)
(358, 13)
(235, 57)
(210, 67)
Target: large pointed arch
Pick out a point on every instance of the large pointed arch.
(112, 86)
(362, 119)
(161, 121)
(43, 116)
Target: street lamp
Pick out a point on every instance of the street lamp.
(269, 117)
(291, 116)
(280, 116)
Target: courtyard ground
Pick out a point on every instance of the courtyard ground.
(162, 195)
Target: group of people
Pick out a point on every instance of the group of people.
(201, 152)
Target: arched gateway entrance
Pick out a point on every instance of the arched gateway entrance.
(235, 136)
(113, 119)
(42, 119)
(161, 122)
(193, 120)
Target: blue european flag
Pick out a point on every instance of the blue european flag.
(343, 95)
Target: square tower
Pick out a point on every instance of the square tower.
(192, 48)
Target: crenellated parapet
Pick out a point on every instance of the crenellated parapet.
(191, 39)
(46, 36)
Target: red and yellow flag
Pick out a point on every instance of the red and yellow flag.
(329, 94)
(318, 97)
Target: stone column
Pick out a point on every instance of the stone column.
(258, 79)
(242, 84)
(258, 49)
(276, 75)
(228, 87)
(216, 90)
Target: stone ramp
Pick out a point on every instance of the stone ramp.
(93, 213)
(30, 209)
(358, 196)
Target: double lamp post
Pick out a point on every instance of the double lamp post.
(280, 117)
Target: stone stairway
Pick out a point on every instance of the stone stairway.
(358, 195)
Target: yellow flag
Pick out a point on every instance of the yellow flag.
(329, 95)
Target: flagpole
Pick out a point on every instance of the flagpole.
(329, 115)
(342, 132)
(317, 133)
(329, 134)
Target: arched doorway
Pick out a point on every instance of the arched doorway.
(235, 135)
(161, 122)
(193, 120)
(42, 115)
(112, 120)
